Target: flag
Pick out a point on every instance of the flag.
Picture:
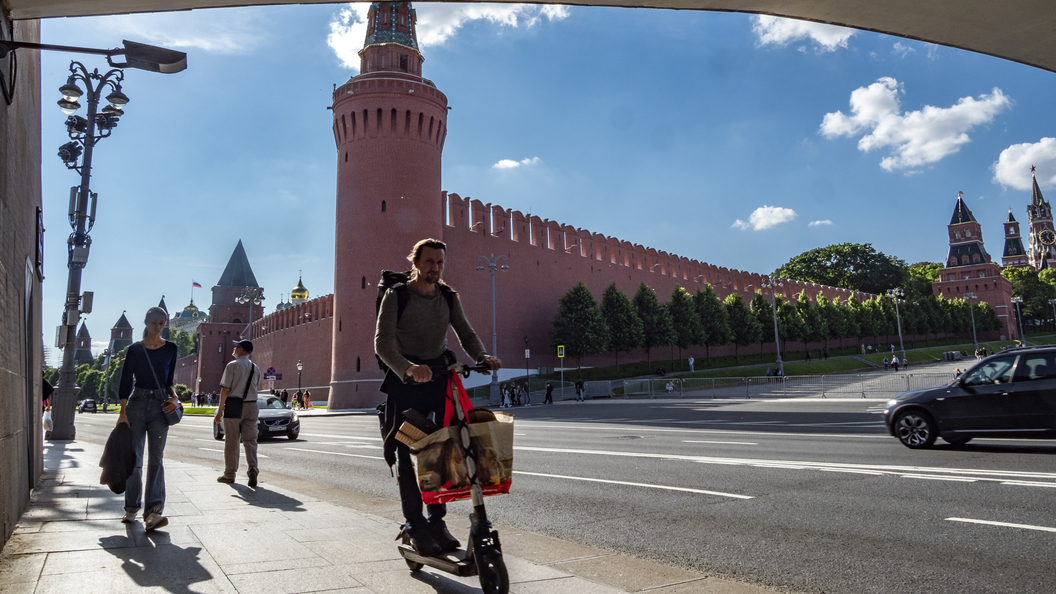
(195, 284)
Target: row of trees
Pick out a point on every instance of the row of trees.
(622, 324)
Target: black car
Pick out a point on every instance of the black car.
(1010, 394)
(87, 405)
(274, 420)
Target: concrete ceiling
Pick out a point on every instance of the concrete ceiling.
(1019, 30)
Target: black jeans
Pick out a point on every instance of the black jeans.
(426, 398)
(410, 494)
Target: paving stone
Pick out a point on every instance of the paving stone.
(21, 568)
(627, 573)
(292, 581)
(232, 543)
(55, 542)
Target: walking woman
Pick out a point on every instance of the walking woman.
(307, 399)
(146, 393)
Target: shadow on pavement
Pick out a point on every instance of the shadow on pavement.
(160, 565)
(263, 497)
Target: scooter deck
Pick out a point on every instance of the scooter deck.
(453, 562)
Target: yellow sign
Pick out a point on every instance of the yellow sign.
(561, 351)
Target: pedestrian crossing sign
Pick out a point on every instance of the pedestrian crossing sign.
(560, 351)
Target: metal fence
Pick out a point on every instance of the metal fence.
(867, 385)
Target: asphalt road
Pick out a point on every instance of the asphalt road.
(809, 495)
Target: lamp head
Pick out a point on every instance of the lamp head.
(117, 99)
(68, 107)
(70, 91)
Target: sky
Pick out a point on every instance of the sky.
(733, 139)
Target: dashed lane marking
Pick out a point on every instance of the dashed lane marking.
(1002, 524)
(335, 453)
(630, 484)
(724, 442)
(240, 453)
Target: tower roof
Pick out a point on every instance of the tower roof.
(961, 213)
(82, 332)
(238, 272)
(162, 305)
(299, 292)
(1035, 197)
(1011, 219)
(385, 25)
(122, 322)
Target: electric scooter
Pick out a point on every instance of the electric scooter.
(483, 553)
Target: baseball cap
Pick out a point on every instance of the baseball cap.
(245, 345)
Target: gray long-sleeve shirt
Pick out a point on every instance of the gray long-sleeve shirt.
(422, 330)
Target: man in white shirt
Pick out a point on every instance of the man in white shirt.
(240, 382)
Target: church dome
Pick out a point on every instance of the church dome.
(299, 294)
(191, 312)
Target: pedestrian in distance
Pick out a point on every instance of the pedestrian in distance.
(549, 394)
(808, 354)
(581, 390)
(239, 413)
(146, 393)
(298, 400)
(284, 396)
(410, 339)
(527, 394)
(894, 362)
(307, 397)
(886, 362)
(825, 353)
(691, 362)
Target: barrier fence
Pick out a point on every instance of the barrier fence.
(871, 385)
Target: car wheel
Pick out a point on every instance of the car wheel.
(957, 441)
(293, 434)
(218, 434)
(915, 429)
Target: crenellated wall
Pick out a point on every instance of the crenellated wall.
(302, 333)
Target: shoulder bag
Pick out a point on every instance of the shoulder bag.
(170, 417)
(233, 406)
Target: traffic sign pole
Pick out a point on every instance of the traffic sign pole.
(561, 356)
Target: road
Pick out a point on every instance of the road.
(806, 494)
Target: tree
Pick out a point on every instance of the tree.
(853, 266)
(112, 377)
(834, 323)
(763, 312)
(686, 321)
(744, 328)
(715, 323)
(814, 327)
(658, 330)
(790, 325)
(1036, 293)
(579, 325)
(919, 278)
(186, 343)
(625, 327)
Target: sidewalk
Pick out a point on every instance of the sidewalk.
(230, 538)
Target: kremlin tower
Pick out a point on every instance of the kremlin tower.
(1042, 234)
(389, 128)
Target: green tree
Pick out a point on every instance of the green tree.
(182, 392)
(52, 375)
(715, 323)
(919, 277)
(186, 343)
(790, 325)
(625, 328)
(853, 266)
(834, 323)
(763, 312)
(815, 328)
(744, 327)
(112, 377)
(686, 320)
(1026, 283)
(658, 329)
(579, 325)
(91, 384)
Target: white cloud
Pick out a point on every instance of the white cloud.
(217, 31)
(437, 22)
(511, 164)
(765, 217)
(1012, 168)
(902, 49)
(819, 223)
(917, 137)
(779, 31)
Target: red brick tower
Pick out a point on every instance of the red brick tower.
(389, 127)
(970, 270)
(1042, 233)
(1014, 254)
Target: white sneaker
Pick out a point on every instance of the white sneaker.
(130, 516)
(155, 521)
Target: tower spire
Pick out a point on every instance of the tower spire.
(391, 44)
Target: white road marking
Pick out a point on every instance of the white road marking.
(240, 452)
(335, 453)
(613, 420)
(726, 442)
(939, 478)
(1004, 524)
(639, 429)
(610, 482)
(351, 437)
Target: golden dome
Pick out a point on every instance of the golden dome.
(299, 293)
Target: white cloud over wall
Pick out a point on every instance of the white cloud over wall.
(511, 164)
(1012, 167)
(437, 22)
(819, 223)
(217, 31)
(765, 217)
(779, 31)
(915, 138)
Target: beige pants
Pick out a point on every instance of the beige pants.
(246, 428)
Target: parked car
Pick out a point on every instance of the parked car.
(1010, 394)
(87, 405)
(274, 420)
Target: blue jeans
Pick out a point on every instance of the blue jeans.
(148, 424)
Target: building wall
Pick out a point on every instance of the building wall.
(986, 282)
(302, 333)
(21, 347)
(187, 372)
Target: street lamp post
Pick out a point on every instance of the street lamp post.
(300, 366)
(493, 262)
(527, 378)
(1019, 319)
(1052, 302)
(106, 380)
(85, 133)
(772, 283)
(971, 309)
(251, 296)
(896, 294)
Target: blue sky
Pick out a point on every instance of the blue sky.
(733, 139)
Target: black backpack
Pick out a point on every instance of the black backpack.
(397, 281)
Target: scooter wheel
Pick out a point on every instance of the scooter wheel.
(492, 571)
(412, 565)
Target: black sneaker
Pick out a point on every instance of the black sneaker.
(442, 536)
(253, 472)
(422, 540)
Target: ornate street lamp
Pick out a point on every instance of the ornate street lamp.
(85, 133)
(772, 283)
(896, 294)
(251, 296)
(493, 263)
(1019, 318)
(971, 309)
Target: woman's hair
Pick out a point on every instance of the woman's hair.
(153, 313)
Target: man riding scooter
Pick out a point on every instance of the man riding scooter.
(411, 336)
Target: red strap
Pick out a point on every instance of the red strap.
(454, 384)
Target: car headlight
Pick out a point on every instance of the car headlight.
(891, 403)
(295, 418)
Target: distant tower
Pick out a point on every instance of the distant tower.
(189, 319)
(237, 276)
(299, 294)
(969, 270)
(1042, 233)
(165, 330)
(1014, 254)
(83, 350)
(120, 335)
(389, 127)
